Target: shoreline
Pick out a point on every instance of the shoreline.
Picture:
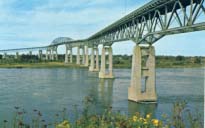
(63, 65)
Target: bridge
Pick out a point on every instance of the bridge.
(144, 27)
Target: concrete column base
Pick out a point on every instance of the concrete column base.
(141, 97)
(102, 75)
(94, 60)
(139, 71)
(93, 69)
(90, 69)
(78, 56)
(86, 57)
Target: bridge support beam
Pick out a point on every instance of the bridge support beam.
(30, 53)
(68, 54)
(102, 73)
(83, 55)
(40, 54)
(50, 54)
(54, 53)
(91, 68)
(86, 57)
(17, 55)
(136, 91)
(71, 55)
(78, 56)
(94, 65)
(5, 55)
(47, 57)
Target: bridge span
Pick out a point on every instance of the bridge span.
(144, 26)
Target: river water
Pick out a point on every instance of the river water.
(51, 90)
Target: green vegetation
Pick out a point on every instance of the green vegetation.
(119, 61)
(163, 61)
(181, 117)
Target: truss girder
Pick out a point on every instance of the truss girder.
(164, 17)
(145, 25)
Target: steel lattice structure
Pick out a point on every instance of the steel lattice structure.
(153, 21)
(145, 25)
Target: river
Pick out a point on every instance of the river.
(51, 90)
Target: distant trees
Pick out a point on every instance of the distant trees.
(197, 60)
(118, 60)
(180, 58)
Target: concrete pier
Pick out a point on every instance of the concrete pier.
(40, 54)
(5, 55)
(30, 53)
(146, 72)
(94, 64)
(83, 55)
(86, 57)
(47, 57)
(91, 68)
(78, 56)
(56, 52)
(17, 55)
(66, 53)
(52, 54)
(71, 55)
(103, 73)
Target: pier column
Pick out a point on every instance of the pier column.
(5, 55)
(102, 73)
(17, 55)
(40, 54)
(142, 71)
(103, 64)
(30, 53)
(56, 53)
(86, 56)
(78, 56)
(91, 68)
(49, 54)
(96, 69)
(52, 54)
(46, 54)
(71, 55)
(66, 53)
(94, 65)
(83, 55)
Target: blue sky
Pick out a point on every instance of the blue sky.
(27, 23)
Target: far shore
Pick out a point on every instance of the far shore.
(63, 65)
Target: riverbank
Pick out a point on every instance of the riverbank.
(63, 65)
(40, 65)
(119, 61)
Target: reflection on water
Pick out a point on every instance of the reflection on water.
(142, 108)
(102, 95)
(104, 99)
(51, 90)
(105, 91)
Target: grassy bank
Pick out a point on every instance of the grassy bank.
(63, 65)
(40, 65)
(119, 61)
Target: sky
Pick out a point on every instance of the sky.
(33, 23)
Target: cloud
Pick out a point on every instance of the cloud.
(37, 22)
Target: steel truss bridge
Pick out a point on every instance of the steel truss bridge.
(145, 25)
